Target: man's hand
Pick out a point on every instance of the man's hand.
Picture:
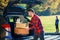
(26, 28)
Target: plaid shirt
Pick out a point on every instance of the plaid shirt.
(35, 24)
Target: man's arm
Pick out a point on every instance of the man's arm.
(34, 24)
(27, 19)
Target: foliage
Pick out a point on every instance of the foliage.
(3, 3)
(54, 6)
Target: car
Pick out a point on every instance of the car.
(14, 9)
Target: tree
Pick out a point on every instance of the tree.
(3, 3)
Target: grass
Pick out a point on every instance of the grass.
(49, 23)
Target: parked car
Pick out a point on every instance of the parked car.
(14, 9)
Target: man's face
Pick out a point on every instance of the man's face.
(30, 13)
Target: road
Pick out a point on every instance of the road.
(47, 37)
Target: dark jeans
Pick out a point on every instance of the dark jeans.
(41, 36)
(19, 38)
(2, 38)
(57, 28)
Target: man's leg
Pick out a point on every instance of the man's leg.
(57, 29)
(14, 39)
(35, 37)
(41, 36)
(17, 38)
(20, 38)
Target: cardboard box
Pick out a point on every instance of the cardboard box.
(21, 28)
(21, 31)
(21, 25)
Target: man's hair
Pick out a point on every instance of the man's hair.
(31, 10)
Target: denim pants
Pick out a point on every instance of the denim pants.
(19, 38)
(41, 36)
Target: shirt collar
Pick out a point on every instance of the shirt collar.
(33, 16)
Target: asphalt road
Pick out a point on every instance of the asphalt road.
(47, 37)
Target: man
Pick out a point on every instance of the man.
(56, 24)
(35, 24)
